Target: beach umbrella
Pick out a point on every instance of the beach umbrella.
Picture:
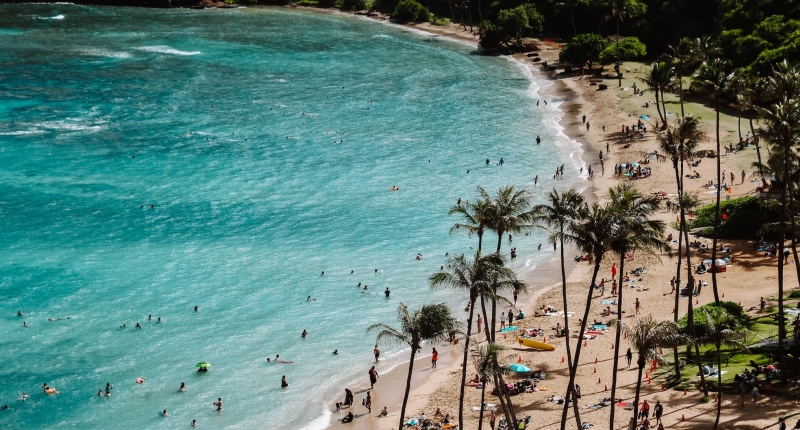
(203, 364)
(645, 117)
(519, 368)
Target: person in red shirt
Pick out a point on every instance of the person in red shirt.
(434, 357)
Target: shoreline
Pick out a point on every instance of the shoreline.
(425, 385)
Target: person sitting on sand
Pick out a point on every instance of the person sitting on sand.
(384, 412)
(347, 418)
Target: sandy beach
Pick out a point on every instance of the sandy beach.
(609, 110)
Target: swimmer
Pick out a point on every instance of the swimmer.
(124, 325)
(394, 188)
(183, 387)
(100, 393)
(19, 313)
(24, 323)
(387, 292)
(304, 334)
(284, 384)
(108, 388)
(159, 320)
(149, 318)
(165, 413)
(195, 308)
(218, 403)
(351, 272)
(23, 397)
(538, 140)
(194, 423)
(308, 299)
(366, 287)
(4, 407)
(376, 270)
(419, 256)
(138, 326)
(323, 273)
(335, 352)
(468, 171)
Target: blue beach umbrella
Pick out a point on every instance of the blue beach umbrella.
(645, 117)
(519, 368)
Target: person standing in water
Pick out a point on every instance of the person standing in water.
(377, 352)
(218, 403)
(284, 384)
(387, 292)
(373, 377)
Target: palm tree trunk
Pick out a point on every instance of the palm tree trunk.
(680, 89)
(570, 368)
(739, 125)
(639, 361)
(483, 399)
(690, 326)
(408, 388)
(494, 287)
(619, 75)
(452, 14)
(678, 179)
(575, 363)
(719, 388)
(758, 148)
(464, 364)
(716, 218)
(485, 321)
(658, 107)
(572, 18)
(785, 185)
(509, 405)
(794, 235)
(502, 399)
(663, 105)
(616, 341)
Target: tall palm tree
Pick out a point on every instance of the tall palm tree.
(474, 215)
(660, 79)
(721, 329)
(557, 216)
(634, 231)
(619, 10)
(781, 123)
(488, 366)
(682, 53)
(755, 89)
(510, 213)
(592, 235)
(647, 336)
(431, 323)
(706, 48)
(714, 79)
(475, 276)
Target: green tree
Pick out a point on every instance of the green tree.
(582, 49)
(475, 276)
(634, 231)
(410, 10)
(520, 22)
(431, 323)
(660, 79)
(629, 48)
(715, 81)
(557, 216)
(619, 10)
(592, 236)
(721, 328)
(647, 336)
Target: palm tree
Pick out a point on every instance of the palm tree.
(754, 91)
(647, 336)
(721, 329)
(714, 80)
(557, 216)
(620, 9)
(431, 323)
(682, 53)
(475, 216)
(706, 48)
(781, 124)
(591, 235)
(634, 231)
(488, 366)
(660, 79)
(475, 276)
(510, 214)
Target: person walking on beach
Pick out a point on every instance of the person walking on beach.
(762, 305)
(480, 322)
(434, 358)
(637, 304)
(377, 352)
(516, 293)
(510, 317)
(629, 357)
(658, 409)
(502, 320)
(373, 377)
(492, 419)
(368, 402)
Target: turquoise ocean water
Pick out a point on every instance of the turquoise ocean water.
(233, 118)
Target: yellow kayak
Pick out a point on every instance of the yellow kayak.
(535, 344)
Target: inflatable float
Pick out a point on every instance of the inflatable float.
(535, 344)
(508, 329)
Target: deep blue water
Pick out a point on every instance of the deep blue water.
(233, 118)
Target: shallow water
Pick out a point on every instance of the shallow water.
(233, 118)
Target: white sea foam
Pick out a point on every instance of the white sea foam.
(105, 53)
(163, 49)
(68, 125)
(21, 132)
(57, 17)
(320, 423)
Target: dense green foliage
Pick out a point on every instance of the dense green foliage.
(582, 49)
(511, 24)
(630, 48)
(744, 218)
(733, 309)
(411, 10)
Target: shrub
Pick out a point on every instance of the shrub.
(744, 218)
(732, 308)
(630, 48)
(354, 5)
(795, 294)
(410, 10)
